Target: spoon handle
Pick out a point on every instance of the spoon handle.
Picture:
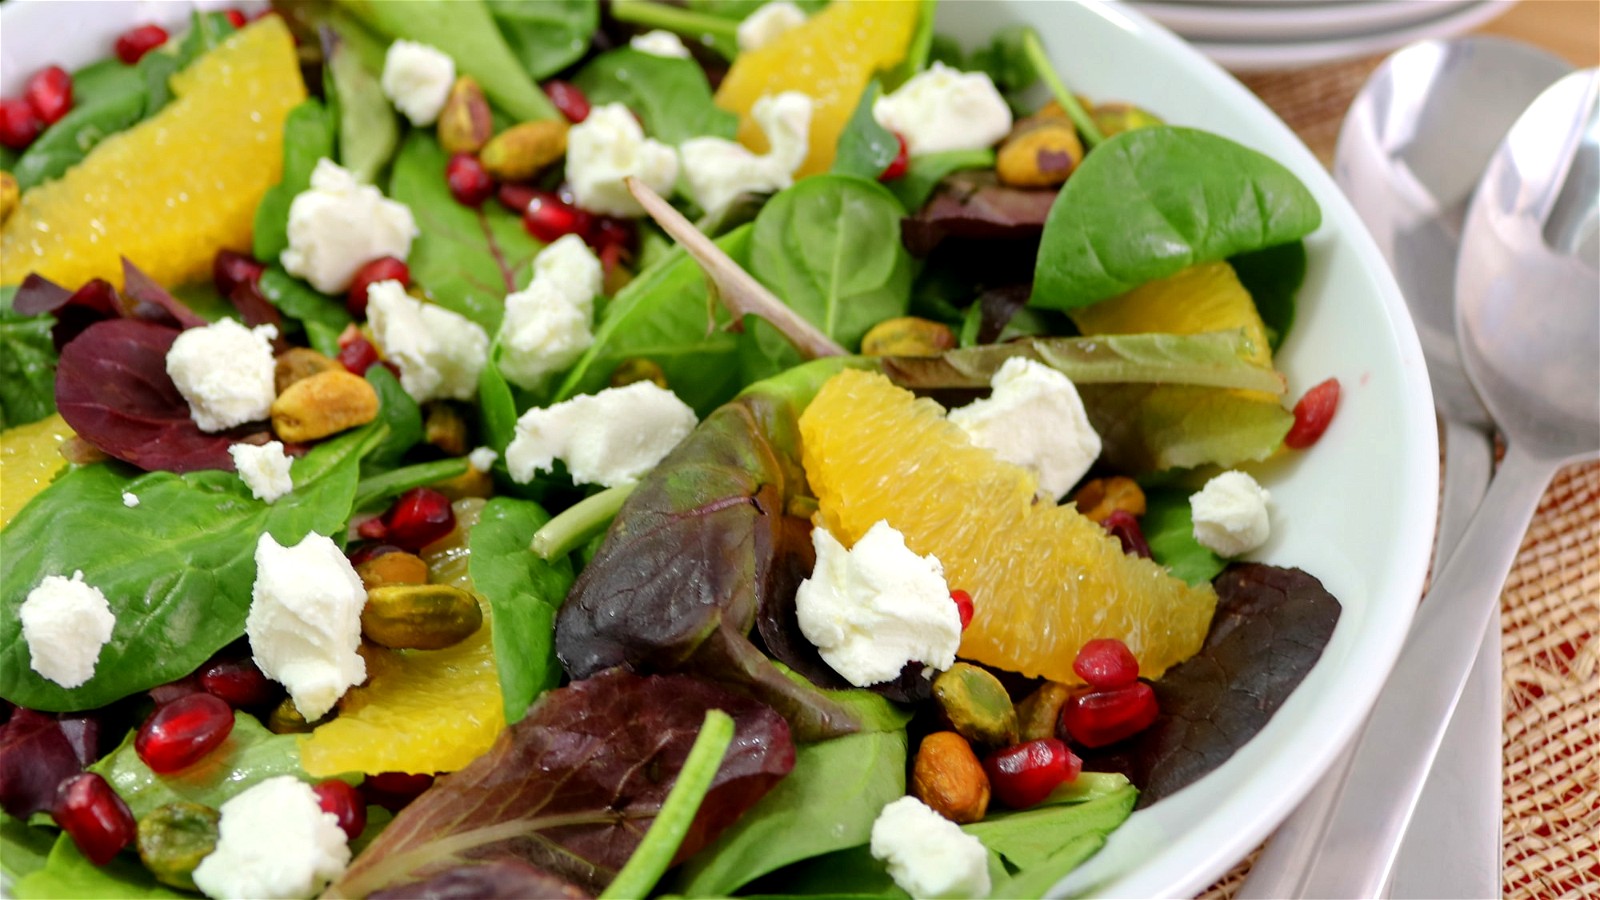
(1390, 760)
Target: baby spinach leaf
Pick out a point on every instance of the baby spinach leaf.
(827, 803)
(108, 97)
(1149, 202)
(1273, 277)
(322, 317)
(69, 875)
(468, 259)
(308, 135)
(524, 592)
(670, 96)
(27, 365)
(401, 418)
(374, 492)
(548, 36)
(1270, 628)
(573, 787)
(916, 58)
(466, 30)
(829, 246)
(865, 147)
(1168, 528)
(176, 570)
(497, 411)
(368, 132)
(924, 173)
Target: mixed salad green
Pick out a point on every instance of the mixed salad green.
(656, 721)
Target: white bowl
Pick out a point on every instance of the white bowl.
(1356, 511)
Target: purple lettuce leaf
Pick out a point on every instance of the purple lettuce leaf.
(37, 752)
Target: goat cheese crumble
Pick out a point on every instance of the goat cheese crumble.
(610, 438)
(482, 459)
(65, 623)
(224, 371)
(945, 109)
(339, 225)
(417, 79)
(1230, 514)
(660, 43)
(440, 353)
(929, 856)
(767, 24)
(264, 468)
(607, 148)
(877, 606)
(274, 841)
(130, 499)
(719, 170)
(1035, 419)
(547, 326)
(304, 622)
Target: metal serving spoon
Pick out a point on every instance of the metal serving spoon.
(1528, 316)
(1412, 148)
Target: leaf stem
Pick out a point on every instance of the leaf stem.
(390, 484)
(1041, 64)
(674, 19)
(579, 522)
(654, 854)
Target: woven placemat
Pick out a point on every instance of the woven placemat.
(1549, 615)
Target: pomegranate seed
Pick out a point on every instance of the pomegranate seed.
(420, 517)
(238, 683)
(516, 197)
(230, 269)
(1125, 527)
(49, 93)
(357, 355)
(236, 17)
(163, 694)
(897, 166)
(393, 790)
(963, 601)
(1312, 415)
(135, 43)
(568, 99)
(1106, 663)
(1101, 717)
(1024, 774)
(469, 181)
(367, 552)
(19, 124)
(99, 821)
(549, 218)
(346, 803)
(180, 733)
(610, 231)
(384, 268)
(373, 529)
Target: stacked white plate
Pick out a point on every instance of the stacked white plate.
(1255, 35)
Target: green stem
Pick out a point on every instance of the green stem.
(1069, 102)
(654, 854)
(390, 484)
(671, 18)
(579, 522)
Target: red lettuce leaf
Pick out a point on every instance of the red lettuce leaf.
(37, 752)
(112, 387)
(153, 301)
(503, 879)
(1270, 628)
(976, 206)
(572, 788)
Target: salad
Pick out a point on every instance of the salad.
(545, 449)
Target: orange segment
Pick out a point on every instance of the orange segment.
(831, 58)
(30, 457)
(1207, 297)
(173, 190)
(1044, 580)
(419, 710)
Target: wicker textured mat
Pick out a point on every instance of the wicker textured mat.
(1549, 615)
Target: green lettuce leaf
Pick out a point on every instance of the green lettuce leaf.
(69, 875)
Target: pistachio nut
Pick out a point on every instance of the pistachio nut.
(1038, 712)
(1041, 151)
(908, 336)
(325, 403)
(445, 427)
(1101, 497)
(298, 364)
(947, 776)
(398, 567)
(521, 151)
(637, 369)
(172, 839)
(464, 123)
(977, 705)
(419, 616)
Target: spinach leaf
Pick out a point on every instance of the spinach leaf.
(206, 31)
(666, 315)
(177, 569)
(548, 36)
(670, 96)
(926, 171)
(469, 259)
(466, 30)
(865, 147)
(401, 418)
(524, 593)
(1168, 528)
(308, 135)
(23, 849)
(1273, 276)
(830, 247)
(574, 786)
(497, 411)
(1149, 202)
(739, 9)
(1030, 837)
(1270, 628)
(69, 875)
(27, 365)
(323, 317)
(827, 803)
(376, 491)
(368, 132)
(921, 46)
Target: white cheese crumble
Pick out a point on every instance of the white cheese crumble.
(482, 459)
(718, 170)
(264, 468)
(929, 856)
(547, 326)
(225, 371)
(660, 43)
(274, 841)
(610, 438)
(877, 606)
(1035, 419)
(417, 79)
(945, 109)
(130, 499)
(304, 622)
(65, 622)
(1230, 514)
(440, 353)
(767, 24)
(607, 148)
(339, 225)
